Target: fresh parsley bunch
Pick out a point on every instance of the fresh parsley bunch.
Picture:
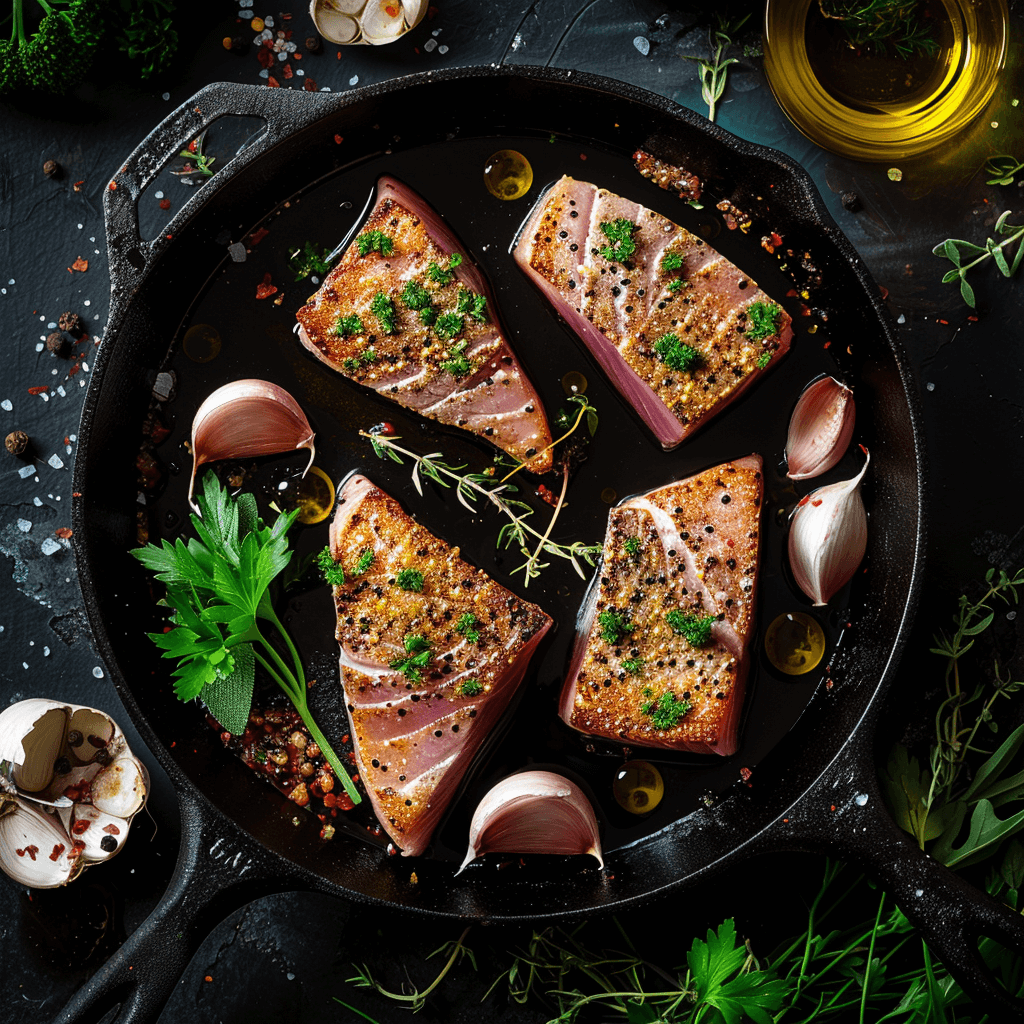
(218, 585)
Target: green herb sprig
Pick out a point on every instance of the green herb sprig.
(197, 161)
(879, 24)
(309, 260)
(218, 587)
(696, 628)
(714, 70)
(956, 250)
(763, 320)
(375, 241)
(620, 247)
(1003, 168)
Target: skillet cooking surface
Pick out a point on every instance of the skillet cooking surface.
(313, 189)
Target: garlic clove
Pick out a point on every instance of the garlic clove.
(383, 21)
(828, 536)
(103, 834)
(31, 738)
(120, 789)
(247, 418)
(820, 429)
(414, 11)
(90, 733)
(534, 812)
(34, 849)
(332, 19)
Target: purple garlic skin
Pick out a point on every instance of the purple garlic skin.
(828, 537)
(820, 429)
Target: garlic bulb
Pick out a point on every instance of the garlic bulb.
(246, 418)
(820, 429)
(828, 536)
(370, 22)
(69, 788)
(534, 812)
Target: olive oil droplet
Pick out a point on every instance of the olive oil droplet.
(315, 496)
(638, 787)
(574, 383)
(794, 643)
(201, 343)
(608, 495)
(508, 174)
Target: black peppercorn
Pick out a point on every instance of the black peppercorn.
(70, 322)
(850, 201)
(56, 343)
(108, 844)
(314, 44)
(16, 442)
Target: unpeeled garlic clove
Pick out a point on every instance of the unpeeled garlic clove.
(820, 429)
(120, 788)
(534, 812)
(247, 418)
(828, 536)
(103, 835)
(34, 849)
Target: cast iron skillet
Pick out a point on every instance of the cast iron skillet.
(815, 791)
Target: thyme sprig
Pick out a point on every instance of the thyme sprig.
(197, 162)
(877, 24)
(956, 250)
(714, 71)
(1003, 169)
(470, 487)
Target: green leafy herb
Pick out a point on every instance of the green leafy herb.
(634, 666)
(428, 316)
(148, 37)
(364, 358)
(418, 649)
(714, 70)
(309, 260)
(472, 305)
(218, 585)
(676, 354)
(677, 284)
(415, 296)
(667, 711)
(569, 418)
(633, 546)
(383, 309)
(878, 24)
(410, 579)
(364, 563)
(444, 275)
(671, 261)
(346, 325)
(764, 359)
(1003, 168)
(447, 325)
(471, 687)
(331, 570)
(620, 234)
(196, 160)
(956, 250)
(457, 364)
(696, 629)
(762, 320)
(375, 241)
(614, 627)
(467, 627)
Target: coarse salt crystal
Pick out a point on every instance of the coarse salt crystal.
(50, 546)
(56, 461)
(40, 346)
(442, 48)
(24, 525)
(6, 405)
(353, 80)
(46, 652)
(37, 501)
(62, 393)
(45, 397)
(430, 44)
(98, 672)
(26, 471)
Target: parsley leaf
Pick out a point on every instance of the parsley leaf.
(415, 296)
(762, 320)
(428, 315)
(307, 261)
(355, 362)
(471, 687)
(614, 627)
(383, 309)
(696, 629)
(410, 579)
(619, 233)
(418, 649)
(332, 571)
(346, 325)
(764, 359)
(676, 354)
(632, 546)
(457, 364)
(667, 711)
(677, 284)
(472, 304)
(465, 626)
(364, 563)
(442, 276)
(671, 261)
(375, 241)
(447, 325)
(634, 666)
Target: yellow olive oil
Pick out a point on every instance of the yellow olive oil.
(794, 643)
(508, 174)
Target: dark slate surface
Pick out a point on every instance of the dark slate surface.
(285, 957)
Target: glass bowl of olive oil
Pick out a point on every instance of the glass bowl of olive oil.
(893, 97)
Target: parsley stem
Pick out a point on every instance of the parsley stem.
(271, 616)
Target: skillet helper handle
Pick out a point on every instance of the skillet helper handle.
(213, 877)
(283, 111)
(950, 913)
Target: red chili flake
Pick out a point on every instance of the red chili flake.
(31, 851)
(805, 310)
(286, 71)
(76, 848)
(862, 448)
(884, 291)
(309, 85)
(39, 390)
(76, 494)
(74, 369)
(803, 501)
(208, 978)
(258, 235)
(112, 830)
(391, 11)
(79, 827)
(973, 319)
(943, 321)
(745, 774)
(832, 807)
(266, 57)
(339, 139)
(776, 238)
(339, 55)
(273, 83)
(112, 186)
(816, 502)
(583, 156)
(63, 531)
(826, 345)
(79, 264)
(57, 851)
(168, 237)
(165, 204)
(792, 293)
(78, 185)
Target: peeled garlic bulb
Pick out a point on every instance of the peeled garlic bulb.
(69, 787)
(534, 812)
(828, 536)
(369, 22)
(820, 429)
(247, 418)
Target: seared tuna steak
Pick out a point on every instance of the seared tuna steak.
(405, 312)
(432, 653)
(680, 330)
(663, 643)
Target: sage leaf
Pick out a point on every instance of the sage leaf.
(229, 699)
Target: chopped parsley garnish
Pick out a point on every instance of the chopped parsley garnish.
(354, 362)
(428, 315)
(471, 687)
(418, 649)
(762, 320)
(634, 666)
(666, 711)
(348, 325)
(457, 364)
(308, 260)
(410, 579)
(261, 756)
(466, 626)
(447, 325)
(676, 354)
(384, 310)
(415, 296)
(671, 261)
(632, 546)
(375, 241)
(332, 571)
(442, 276)
(764, 359)
(676, 284)
(620, 234)
(696, 629)
(472, 304)
(364, 563)
(614, 627)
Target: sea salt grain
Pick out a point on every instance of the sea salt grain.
(50, 546)
(56, 461)
(642, 44)
(24, 525)
(37, 501)
(26, 471)
(6, 405)
(98, 672)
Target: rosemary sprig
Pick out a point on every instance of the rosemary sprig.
(470, 487)
(956, 250)
(879, 23)
(714, 71)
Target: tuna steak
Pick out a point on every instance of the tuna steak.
(663, 640)
(405, 312)
(680, 331)
(432, 653)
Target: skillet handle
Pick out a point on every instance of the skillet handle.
(850, 821)
(214, 876)
(282, 110)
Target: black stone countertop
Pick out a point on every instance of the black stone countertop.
(284, 957)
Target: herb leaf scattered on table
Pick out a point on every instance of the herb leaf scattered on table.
(956, 250)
